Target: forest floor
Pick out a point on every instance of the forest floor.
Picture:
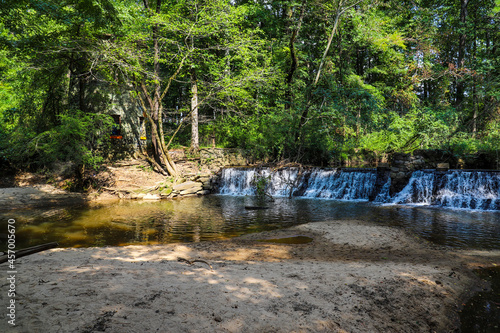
(352, 277)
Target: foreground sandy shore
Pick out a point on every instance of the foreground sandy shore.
(352, 277)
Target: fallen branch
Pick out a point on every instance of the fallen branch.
(29, 250)
(191, 262)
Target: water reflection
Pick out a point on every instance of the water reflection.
(220, 217)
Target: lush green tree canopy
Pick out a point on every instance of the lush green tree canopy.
(308, 80)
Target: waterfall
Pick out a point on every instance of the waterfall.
(339, 184)
(237, 181)
(315, 183)
(384, 195)
(454, 189)
(418, 191)
(471, 190)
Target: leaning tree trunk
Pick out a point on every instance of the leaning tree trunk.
(161, 158)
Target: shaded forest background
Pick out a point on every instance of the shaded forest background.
(305, 80)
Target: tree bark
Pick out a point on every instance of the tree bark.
(461, 53)
(293, 38)
(195, 144)
(474, 80)
(154, 116)
(293, 56)
(330, 38)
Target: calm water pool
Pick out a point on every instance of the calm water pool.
(219, 217)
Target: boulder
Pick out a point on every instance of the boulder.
(186, 186)
(137, 195)
(443, 166)
(150, 196)
(205, 192)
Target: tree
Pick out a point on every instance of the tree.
(205, 42)
(52, 43)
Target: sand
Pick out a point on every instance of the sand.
(39, 195)
(353, 277)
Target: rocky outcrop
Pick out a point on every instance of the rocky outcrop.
(222, 157)
(196, 185)
(403, 165)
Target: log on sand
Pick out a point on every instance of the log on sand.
(28, 251)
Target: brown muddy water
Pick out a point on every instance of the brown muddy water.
(219, 217)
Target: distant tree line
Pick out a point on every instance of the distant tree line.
(305, 80)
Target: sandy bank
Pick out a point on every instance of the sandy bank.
(352, 277)
(41, 195)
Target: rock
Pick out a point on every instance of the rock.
(443, 166)
(137, 195)
(192, 190)
(204, 192)
(150, 196)
(165, 192)
(186, 186)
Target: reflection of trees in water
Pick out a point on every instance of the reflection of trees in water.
(210, 218)
(186, 220)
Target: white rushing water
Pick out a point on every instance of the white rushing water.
(341, 185)
(454, 189)
(315, 183)
(418, 191)
(471, 190)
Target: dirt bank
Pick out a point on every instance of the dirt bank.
(126, 179)
(41, 195)
(353, 277)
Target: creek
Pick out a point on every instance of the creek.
(456, 209)
(217, 217)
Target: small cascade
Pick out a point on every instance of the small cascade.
(454, 189)
(315, 183)
(237, 181)
(470, 190)
(339, 184)
(418, 191)
(384, 195)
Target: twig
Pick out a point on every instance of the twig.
(191, 262)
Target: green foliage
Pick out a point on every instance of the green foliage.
(389, 82)
(80, 138)
(261, 185)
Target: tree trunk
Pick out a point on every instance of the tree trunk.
(155, 118)
(305, 113)
(461, 53)
(293, 56)
(195, 144)
(340, 11)
(474, 80)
